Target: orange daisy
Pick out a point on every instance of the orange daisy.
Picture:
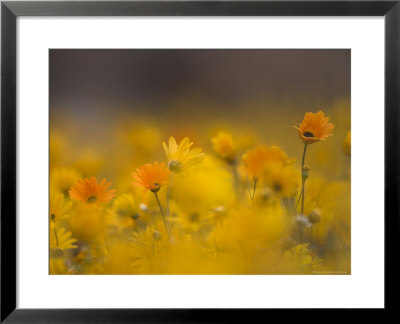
(90, 191)
(257, 159)
(151, 176)
(314, 127)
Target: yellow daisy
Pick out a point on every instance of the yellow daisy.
(126, 213)
(181, 156)
(59, 208)
(62, 179)
(224, 146)
(61, 240)
(347, 144)
(282, 180)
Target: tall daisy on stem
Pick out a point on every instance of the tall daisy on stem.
(315, 127)
(224, 146)
(93, 194)
(261, 159)
(226, 149)
(181, 158)
(152, 177)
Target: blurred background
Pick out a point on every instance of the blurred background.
(97, 94)
(155, 78)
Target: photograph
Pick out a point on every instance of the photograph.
(199, 162)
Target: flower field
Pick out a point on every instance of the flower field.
(145, 197)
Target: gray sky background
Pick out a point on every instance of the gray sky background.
(152, 79)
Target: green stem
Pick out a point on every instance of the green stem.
(304, 156)
(282, 207)
(162, 214)
(56, 236)
(302, 197)
(103, 227)
(254, 189)
(248, 184)
(235, 176)
(169, 192)
(303, 180)
(298, 200)
(168, 198)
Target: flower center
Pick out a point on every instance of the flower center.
(52, 217)
(277, 187)
(157, 236)
(156, 187)
(174, 166)
(308, 134)
(91, 199)
(194, 217)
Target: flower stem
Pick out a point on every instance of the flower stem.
(169, 192)
(254, 189)
(103, 227)
(169, 197)
(303, 179)
(298, 200)
(56, 236)
(162, 214)
(248, 183)
(235, 176)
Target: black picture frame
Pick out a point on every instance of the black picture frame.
(10, 10)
